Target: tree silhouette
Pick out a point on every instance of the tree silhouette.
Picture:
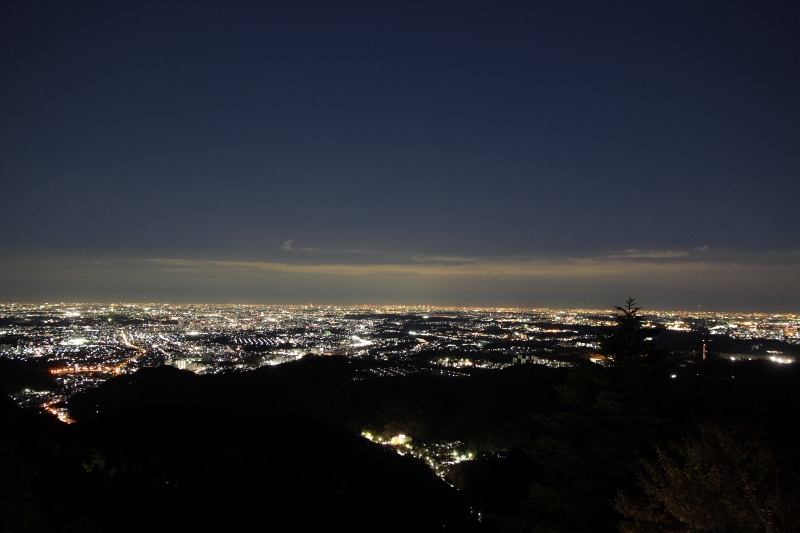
(591, 446)
(630, 342)
(725, 480)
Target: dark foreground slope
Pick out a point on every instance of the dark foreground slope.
(163, 449)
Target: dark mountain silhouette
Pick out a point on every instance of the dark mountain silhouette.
(163, 449)
(18, 375)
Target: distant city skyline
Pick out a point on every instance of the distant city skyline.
(548, 154)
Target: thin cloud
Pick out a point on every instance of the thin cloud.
(654, 254)
(442, 259)
(289, 245)
(398, 262)
(563, 268)
(379, 256)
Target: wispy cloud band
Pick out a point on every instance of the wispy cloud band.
(671, 280)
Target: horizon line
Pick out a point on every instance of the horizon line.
(645, 311)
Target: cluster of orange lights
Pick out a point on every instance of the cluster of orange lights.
(87, 369)
(60, 413)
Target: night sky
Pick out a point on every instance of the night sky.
(525, 154)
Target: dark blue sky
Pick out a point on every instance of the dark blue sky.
(534, 154)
